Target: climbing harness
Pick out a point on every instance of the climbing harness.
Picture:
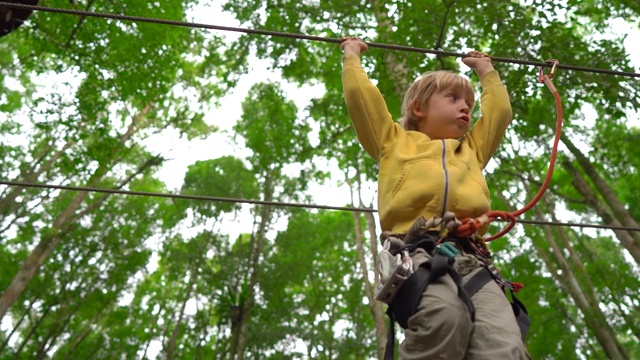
(404, 295)
(401, 288)
(10, 18)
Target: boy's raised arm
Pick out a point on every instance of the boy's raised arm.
(495, 108)
(373, 123)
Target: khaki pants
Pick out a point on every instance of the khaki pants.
(442, 327)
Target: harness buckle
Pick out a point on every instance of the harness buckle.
(394, 271)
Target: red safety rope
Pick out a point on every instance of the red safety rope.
(470, 226)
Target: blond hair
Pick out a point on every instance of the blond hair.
(425, 86)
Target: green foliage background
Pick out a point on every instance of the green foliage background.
(86, 101)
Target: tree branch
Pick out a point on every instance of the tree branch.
(78, 24)
(443, 28)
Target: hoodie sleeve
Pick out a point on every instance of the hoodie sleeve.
(368, 111)
(488, 131)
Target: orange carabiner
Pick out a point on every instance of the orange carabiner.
(552, 72)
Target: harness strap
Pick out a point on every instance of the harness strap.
(408, 298)
(522, 315)
(406, 302)
(478, 280)
(391, 337)
(463, 293)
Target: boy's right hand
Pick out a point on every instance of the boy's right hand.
(353, 46)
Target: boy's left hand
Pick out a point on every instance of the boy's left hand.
(478, 61)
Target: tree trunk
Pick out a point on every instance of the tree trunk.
(146, 347)
(62, 225)
(588, 304)
(580, 184)
(376, 307)
(594, 318)
(40, 253)
(86, 330)
(617, 207)
(400, 73)
(7, 203)
(581, 271)
(48, 308)
(79, 338)
(398, 70)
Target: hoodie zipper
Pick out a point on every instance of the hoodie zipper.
(446, 177)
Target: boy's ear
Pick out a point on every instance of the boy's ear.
(419, 110)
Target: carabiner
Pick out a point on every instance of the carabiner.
(552, 72)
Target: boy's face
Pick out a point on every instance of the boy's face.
(446, 115)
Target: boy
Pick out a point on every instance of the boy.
(429, 166)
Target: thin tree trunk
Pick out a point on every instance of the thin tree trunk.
(146, 347)
(373, 242)
(378, 308)
(622, 305)
(581, 271)
(53, 334)
(401, 76)
(374, 306)
(17, 325)
(33, 329)
(76, 27)
(47, 308)
(79, 338)
(552, 266)
(170, 347)
(93, 352)
(563, 273)
(219, 345)
(50, 240)
(19, 212)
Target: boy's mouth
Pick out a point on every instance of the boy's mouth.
(464, 117)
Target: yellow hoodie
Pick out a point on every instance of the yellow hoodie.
(420, 176)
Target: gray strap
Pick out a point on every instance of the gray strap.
(480, 279)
